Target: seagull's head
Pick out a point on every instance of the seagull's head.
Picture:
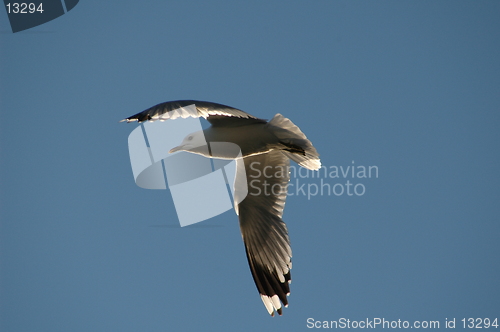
(194, 143)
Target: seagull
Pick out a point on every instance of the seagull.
(266, 150)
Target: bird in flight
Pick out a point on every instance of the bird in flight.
(266, 150)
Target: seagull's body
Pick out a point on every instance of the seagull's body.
(252, 139)
(266, 148)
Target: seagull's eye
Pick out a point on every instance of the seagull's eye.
(190, 138)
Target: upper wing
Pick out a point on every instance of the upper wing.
(264, 233)
(213, 112)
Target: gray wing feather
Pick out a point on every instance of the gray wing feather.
(264, 233)
(189, 108)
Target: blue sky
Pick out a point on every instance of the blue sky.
(410, 87)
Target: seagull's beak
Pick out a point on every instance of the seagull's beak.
(177, 148)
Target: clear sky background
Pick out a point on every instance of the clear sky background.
(410, 87)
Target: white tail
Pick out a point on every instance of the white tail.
(295, 144)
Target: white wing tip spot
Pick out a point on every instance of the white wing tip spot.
(128, 120)
(271, 303)
(276, 302)
(268, 304)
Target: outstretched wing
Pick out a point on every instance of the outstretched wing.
(264, 233)
(213, 112)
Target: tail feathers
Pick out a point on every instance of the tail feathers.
(295, 144)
